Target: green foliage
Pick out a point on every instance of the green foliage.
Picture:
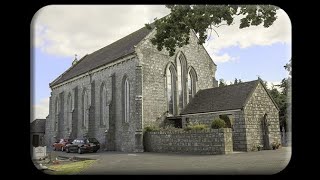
(151, 128)
(70, 168)
(218, 123)
(256, 147)
(275, 145)
(169, 127)
(226, 119)
(222, 83)
(196, 126)
(235, 81)
(288, 67)
(281, 99)
(173, 30)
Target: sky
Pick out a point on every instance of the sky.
(61, 31)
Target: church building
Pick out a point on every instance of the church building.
(116, 91)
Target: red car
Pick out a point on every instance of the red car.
(60, 145)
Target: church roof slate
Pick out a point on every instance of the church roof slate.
(105, 55)
(224, 98)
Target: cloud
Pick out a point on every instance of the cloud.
(222, 58)
(67, 30)
(41, 109)
(232, 36)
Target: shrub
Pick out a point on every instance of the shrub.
(275, 145)
(226, 120)
(168, 127)
(151, 128)
(218, 123)
(196, 127)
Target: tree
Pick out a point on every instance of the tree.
(173, 30)
(236, 81)
(280, 98)
(222, 83)
(288, 67)
(226, 120)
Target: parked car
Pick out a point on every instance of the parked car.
(82, 145)
(60, 144)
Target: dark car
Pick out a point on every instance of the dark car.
(82, 145)
(60, 144)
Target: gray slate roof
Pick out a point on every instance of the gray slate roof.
(38, 126)
(108, 54)
(229, 97)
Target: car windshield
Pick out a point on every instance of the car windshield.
(93, 140)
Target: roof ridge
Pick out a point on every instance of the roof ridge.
(116, 41)
(232, 85)
(221, 99)
(95, 54)
(71, 67)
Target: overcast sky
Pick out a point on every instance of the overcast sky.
(62, 31)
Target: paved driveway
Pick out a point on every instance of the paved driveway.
(261, 162)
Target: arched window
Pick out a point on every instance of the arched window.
(84, 108)
(191, 83)
(170, 90)
(57, 111)
(69, 111)
(126, 99)
(103, 104)
(181, 74)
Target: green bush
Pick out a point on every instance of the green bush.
(226, 120)
(218, 123)
(151, 128)
(196, 127)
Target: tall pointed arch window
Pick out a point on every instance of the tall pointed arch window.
(192, 77)
(85, 109)
(170, 89)
(126, 99)
(181, 74)
(69, 111)
(103, 104)
(57, 111)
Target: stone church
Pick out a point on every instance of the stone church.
(116, 91)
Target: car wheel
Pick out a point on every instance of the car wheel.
(79, 151)
(62, 148)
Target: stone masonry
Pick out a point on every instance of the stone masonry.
(76, 110)
(118, 134)
(145, 70)
(248, 130)
(238, 130)
(258, 105)
(213, 141)
(154, 65)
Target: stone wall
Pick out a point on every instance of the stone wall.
(202, 118)
(257, 106)
(213, 141)
(115, 134)
(239, 130)
(154, 65)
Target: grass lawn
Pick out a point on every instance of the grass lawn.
(70, 168)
